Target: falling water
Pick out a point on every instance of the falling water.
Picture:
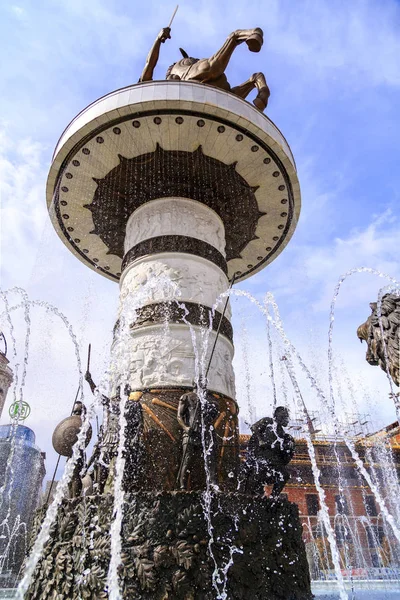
(220, 573)
(61, 492)
(348, 441)
(62, 487)
(271, 358)
(247, 379)
(324, 509)
(18, 530)
(338, 286)
(120, 365)
(9, 473)
(8, 485)
(200, 371)
(330, 406)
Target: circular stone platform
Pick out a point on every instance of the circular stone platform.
(173, 139)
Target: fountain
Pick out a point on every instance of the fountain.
(178, 190)
(21, 474)
(175, 189)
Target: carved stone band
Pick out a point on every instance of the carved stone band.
(175, 243)
(195, 314)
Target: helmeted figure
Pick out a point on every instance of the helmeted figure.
(192, 415)
(105, 451)
(371, 332)
(75, 484)
(212, 70)
(270, 449)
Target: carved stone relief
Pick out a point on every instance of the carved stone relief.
(165, 357)
(182, 277)
(175, 216)
(155, 280)
(221, 372)
(182, 313)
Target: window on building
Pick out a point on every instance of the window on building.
(370, 506)
(312, 504)
(375, 536)
(342, 507)
(340, 534)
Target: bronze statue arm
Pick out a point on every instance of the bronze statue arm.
(153, 55)
(179, 415)
(90, 381)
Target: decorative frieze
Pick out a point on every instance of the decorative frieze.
(175, 216)
(183, 277)
(175, 243)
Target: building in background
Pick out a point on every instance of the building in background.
(21, 473)
(367, 546)
(6, 375)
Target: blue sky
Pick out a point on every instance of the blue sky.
(334, 75)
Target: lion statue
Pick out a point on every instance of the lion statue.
(370, 331)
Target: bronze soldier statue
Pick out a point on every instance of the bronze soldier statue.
(64, 439)
(211, 70)
(192, 414)
(75, 484)
(105, 450)
(270, 449)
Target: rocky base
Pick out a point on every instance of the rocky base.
(167, 552)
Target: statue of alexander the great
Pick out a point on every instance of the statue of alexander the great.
(211, 70)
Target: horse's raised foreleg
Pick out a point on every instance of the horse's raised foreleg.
(256, 81)
(213, 67)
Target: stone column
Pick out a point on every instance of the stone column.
(182, 242)
(180, 181)
(6, 377)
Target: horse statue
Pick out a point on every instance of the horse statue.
(211, 71)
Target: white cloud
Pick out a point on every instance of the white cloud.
(313, 51)
(357, 39)
(23, 210)
(18, 11)
(303, 281)
(320, 266)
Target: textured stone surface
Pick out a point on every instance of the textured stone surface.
(184, 312)
(174, 216)
(123, 125)
(157, 360)
(165, 549)
(198, 279)
(173, 244)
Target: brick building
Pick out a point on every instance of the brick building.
(365, 540)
